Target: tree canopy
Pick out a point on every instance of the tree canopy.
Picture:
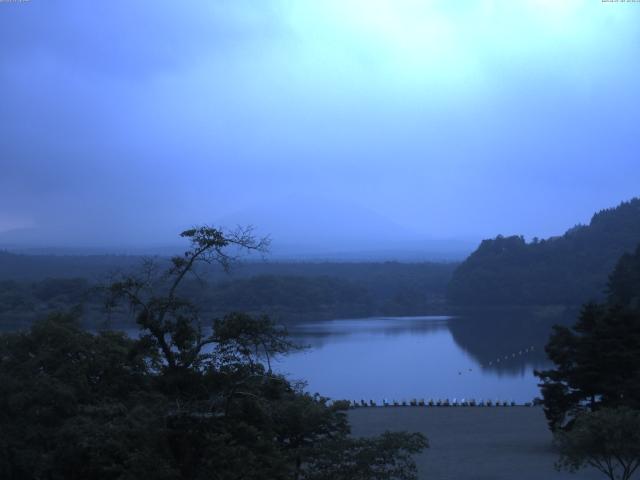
(607, 440)
(597, 361)
(188, 398)
(566, 270)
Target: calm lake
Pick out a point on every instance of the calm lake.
(480, 357)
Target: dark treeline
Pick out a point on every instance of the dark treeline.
(330, 290)
(186, 398)
(597, 359)
(592, 392)
(14, 266)
(36, 267)
(336, 289)
(30, 286)
(566, 270)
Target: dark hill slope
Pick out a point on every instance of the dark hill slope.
(568, 270)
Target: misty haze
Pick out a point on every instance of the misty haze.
(319, 239)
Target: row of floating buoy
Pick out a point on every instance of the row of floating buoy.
(438, 403)
(513, 355)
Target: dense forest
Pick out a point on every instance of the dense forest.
(31, 286)
(505, 271)
(565, 270)
(187, 398)
(597, 360)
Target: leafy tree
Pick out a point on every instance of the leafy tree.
(608, 440)
(624, 283)
(597, 361)
(57, 383)
(386, 457)
(181, 401)
(170, 322)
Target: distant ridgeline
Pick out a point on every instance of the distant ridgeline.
(566, 270)
(32, 286)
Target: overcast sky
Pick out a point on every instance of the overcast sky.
(366, 122)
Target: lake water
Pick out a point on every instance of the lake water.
(438, 357)
(481, 356)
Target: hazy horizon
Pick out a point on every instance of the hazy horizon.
(339, 128)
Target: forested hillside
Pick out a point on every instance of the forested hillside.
(568, 270)
(32, 286)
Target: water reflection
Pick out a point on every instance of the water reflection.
(482, 355)
(508, 341)
(316, 334)
(472, 354)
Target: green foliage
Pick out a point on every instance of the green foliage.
(290, 292)
(608, 440)
(566, 270)
(243, 339)
(182, 401)
(14, 297)
(55, 381)
(385, 457)
(49, 293)
(74, 405)
(65, 290)
(170, 322)
(30, 268)
(624, 282)
(597, 361)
